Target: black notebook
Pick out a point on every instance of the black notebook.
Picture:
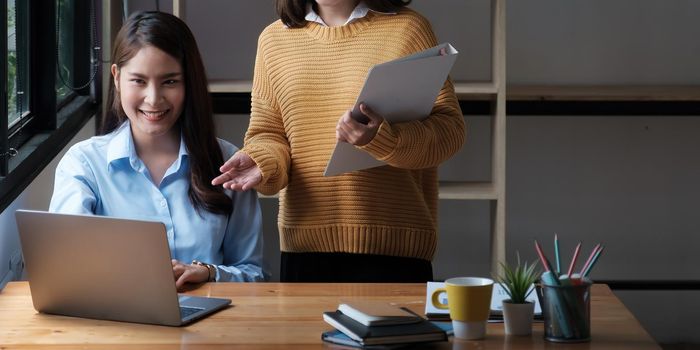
(423, 331)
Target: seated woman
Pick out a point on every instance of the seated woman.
(157, 155)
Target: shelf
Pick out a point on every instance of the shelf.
(230, 86)
(464, 90)
(453, 190)
(486, 90)
(475, 91)
(467, 190)
(603, 93)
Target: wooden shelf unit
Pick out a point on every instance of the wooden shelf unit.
(498, 92)
(494, 90)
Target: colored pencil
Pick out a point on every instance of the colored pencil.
(590, 257)
(545, 262)
(590, 266)
(556, 253)
(573, 259)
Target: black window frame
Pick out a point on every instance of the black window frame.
(31, 144)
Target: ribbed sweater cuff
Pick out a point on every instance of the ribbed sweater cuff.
(383, 144)
(265, 161)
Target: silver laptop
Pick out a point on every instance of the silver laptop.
(105, 268)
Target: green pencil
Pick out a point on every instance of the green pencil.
(556, 254)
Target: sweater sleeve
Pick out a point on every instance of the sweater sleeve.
(422, 143)
(266, 141)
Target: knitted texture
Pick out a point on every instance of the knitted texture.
(305, 79)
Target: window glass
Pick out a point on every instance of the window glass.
(17, 61)
(65, 13)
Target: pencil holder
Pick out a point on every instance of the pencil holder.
(567, 312)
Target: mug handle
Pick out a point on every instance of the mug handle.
(436, 301)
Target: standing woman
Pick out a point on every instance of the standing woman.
(157, 154)
(375, 225)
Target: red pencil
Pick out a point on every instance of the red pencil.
(573, 259)
(595, 249)
(545, 263)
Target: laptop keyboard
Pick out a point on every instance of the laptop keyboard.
(186, 311)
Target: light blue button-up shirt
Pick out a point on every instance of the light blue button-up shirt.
(104, 176)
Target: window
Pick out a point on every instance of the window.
(48, 74)
(65, 10)
(17, 97)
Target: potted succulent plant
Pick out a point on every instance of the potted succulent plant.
(518, 281)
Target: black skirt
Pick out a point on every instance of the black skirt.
(359, 268)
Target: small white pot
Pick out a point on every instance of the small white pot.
(518, 317)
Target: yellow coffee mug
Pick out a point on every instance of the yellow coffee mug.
(469, 298)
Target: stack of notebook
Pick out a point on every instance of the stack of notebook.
(373, 324)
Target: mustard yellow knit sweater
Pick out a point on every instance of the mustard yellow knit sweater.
(305, 78)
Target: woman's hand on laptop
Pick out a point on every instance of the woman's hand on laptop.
(187, 273)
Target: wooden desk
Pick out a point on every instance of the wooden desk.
(281, 316)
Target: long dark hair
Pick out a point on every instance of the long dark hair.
(293, 12)
(171, 35)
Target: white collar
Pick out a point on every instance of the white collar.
(360, 11)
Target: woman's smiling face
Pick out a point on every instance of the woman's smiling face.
(152, 92)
